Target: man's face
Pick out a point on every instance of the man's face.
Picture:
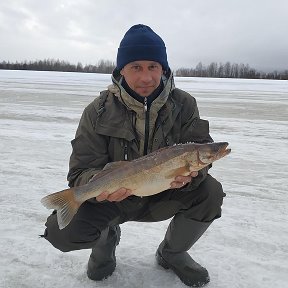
(143, 77)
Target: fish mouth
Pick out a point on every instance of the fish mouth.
(223, 151)
(218, 151)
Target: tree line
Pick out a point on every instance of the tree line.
(103, 66)
(213, 70)
(228, 70)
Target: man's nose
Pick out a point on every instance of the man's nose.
(146, 76)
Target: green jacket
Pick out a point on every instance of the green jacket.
(112, 129)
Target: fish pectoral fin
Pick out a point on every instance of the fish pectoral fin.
(184, 170)
(65, 204)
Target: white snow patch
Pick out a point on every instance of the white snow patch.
(247, 247)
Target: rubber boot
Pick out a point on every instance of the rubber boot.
(102, 261)
(181, 235)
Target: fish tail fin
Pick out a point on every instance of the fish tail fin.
(65, 204)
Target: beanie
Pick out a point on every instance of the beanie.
(140, 42)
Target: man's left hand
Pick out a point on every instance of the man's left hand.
(181, 181)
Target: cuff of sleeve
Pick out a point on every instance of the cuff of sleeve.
(194, 184)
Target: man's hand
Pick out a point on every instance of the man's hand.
(181, 181)
(116, 196)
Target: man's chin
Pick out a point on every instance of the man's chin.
(144, 92)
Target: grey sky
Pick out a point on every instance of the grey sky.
(240, 31)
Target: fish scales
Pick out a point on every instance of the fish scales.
(140, 176)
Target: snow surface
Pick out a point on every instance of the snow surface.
(247, 247)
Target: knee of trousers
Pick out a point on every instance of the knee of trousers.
(72, 237)
(208, 206)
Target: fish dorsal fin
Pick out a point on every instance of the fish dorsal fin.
(114, 165)
(108, 168)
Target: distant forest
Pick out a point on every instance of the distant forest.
(103, 66)
(213, 70)
(228, 70)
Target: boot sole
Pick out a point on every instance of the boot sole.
(161, 261)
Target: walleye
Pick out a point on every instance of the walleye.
(145, 176)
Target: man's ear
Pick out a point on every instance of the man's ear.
(121, 72)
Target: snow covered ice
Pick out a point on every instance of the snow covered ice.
(247, 247)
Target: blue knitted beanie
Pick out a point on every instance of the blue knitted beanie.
(140, 42)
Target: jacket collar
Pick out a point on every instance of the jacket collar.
(131, 103)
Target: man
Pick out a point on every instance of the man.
(140, 112)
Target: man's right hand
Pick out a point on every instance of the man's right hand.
(116, 196)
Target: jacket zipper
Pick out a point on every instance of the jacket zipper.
(146, 135)
(125, 151)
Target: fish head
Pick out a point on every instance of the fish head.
(204, 154)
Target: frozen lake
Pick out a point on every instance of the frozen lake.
(247, 247)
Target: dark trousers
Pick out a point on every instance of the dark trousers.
(202, 204)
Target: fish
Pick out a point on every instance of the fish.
(145, 176)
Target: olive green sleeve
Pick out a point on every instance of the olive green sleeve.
(89, 150)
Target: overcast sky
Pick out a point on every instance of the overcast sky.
(239, 31)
